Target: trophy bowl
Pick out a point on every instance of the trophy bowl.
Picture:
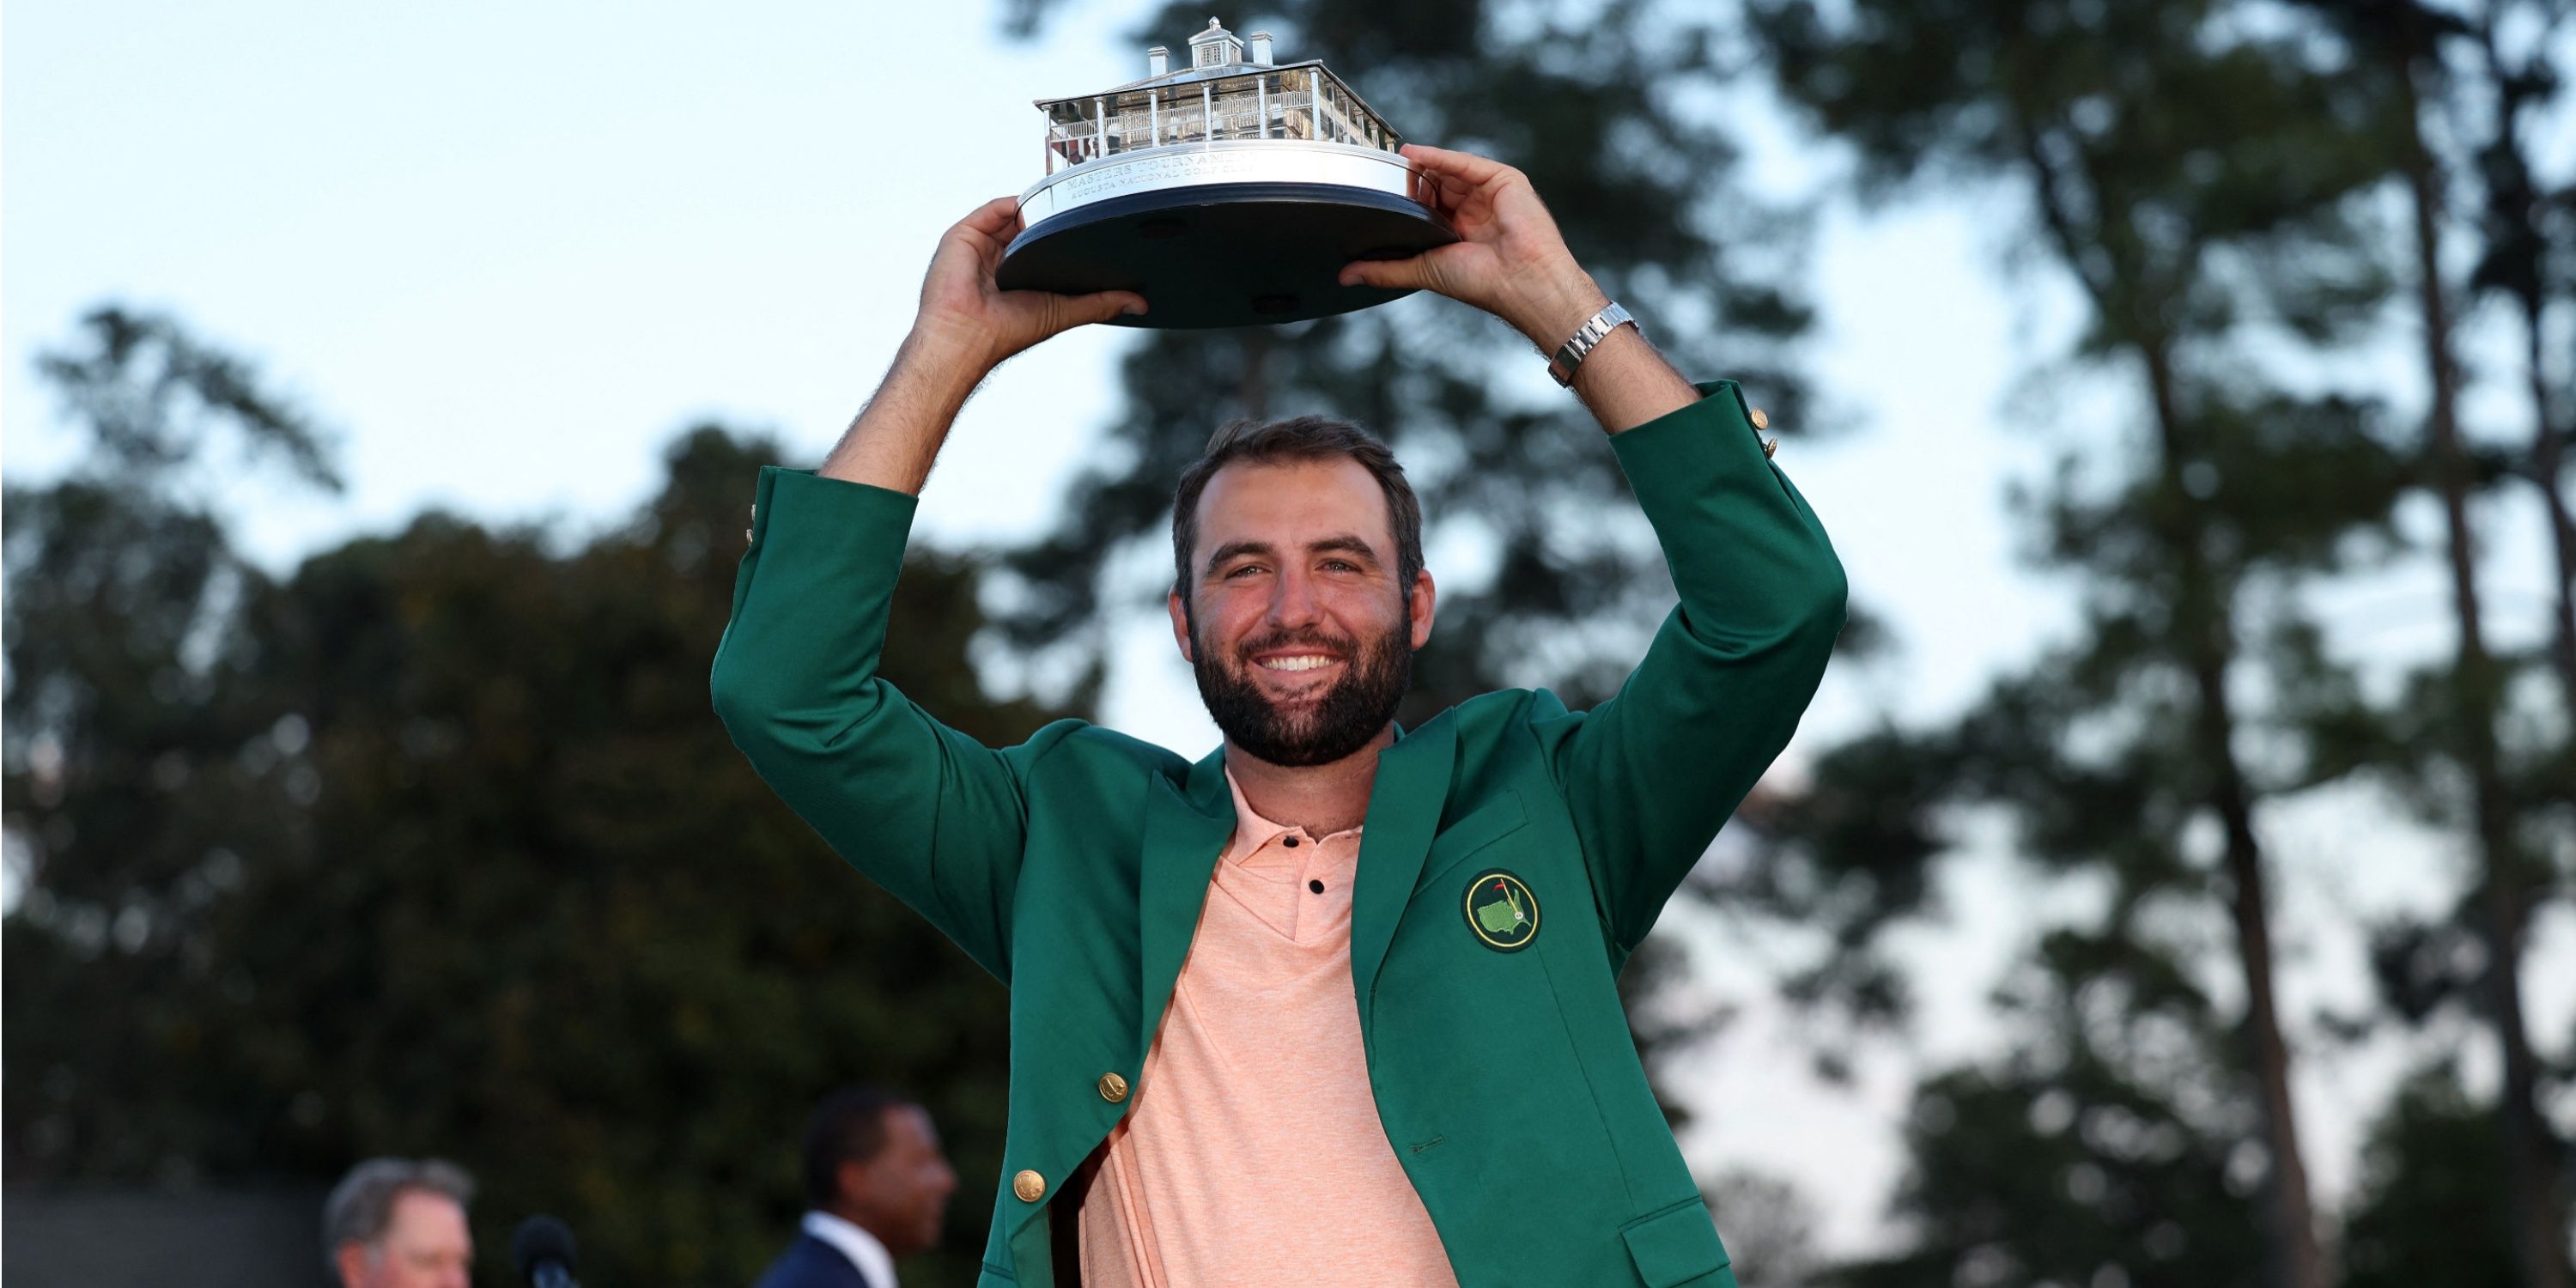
(1227, 194)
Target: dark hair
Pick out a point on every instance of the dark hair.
(362, 1204)
(1304, 438)
(848, 1127)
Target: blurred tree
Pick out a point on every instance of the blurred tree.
(2459, 714)
(128, 715)
(434, 847)
(2199, 182)
(2526, 235)
(1770, 1228)
(2107, 1148)
(2429, 1210)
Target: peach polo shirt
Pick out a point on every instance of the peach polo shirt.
(1252, 1154)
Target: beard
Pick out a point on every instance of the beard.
(1321, 730)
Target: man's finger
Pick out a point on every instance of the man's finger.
(1393, 274)
(998, 218)
(1466, 167)
(1101, 306)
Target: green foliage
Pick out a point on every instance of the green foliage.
(2161, 159)
(2430, 1208)
(2202, 179)
(2105, 1150)
(434, 847)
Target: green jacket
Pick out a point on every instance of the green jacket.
(1073, 866)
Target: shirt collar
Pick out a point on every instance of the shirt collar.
(1252, 831)
(854, 1242)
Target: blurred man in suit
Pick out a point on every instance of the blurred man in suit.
(876, 1186)
(399, 1223)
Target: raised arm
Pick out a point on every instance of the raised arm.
(1511, 261)
(1651, 775)
(930, 814)
(967, 326)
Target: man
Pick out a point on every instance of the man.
(397, 1223)
(877, 1185)
(1337, 1004)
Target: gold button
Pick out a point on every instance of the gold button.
(1029, 1186)
(746, 536)
(1761, 419)
(1113, 1088)
(1769, 447)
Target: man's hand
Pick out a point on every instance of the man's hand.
(1511, 262)
(967, 325)
(964, 312)
(1509, 259)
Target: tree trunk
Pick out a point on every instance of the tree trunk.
(2515, 201)
(2529, 1147)
(2204, 617)
(2548, 468)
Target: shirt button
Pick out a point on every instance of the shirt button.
(1291, 842)
(1316, 886)
(1113, 1088)
(1029, 1186)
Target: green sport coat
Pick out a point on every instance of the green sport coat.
(1514, 854)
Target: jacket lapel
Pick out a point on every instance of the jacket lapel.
(1404, 811)
(1183, 837)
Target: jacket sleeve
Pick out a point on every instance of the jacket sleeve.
(1652, 774)
(925, 811)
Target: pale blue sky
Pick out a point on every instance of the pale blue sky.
(511, 249)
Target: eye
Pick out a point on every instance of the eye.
(1241, 569)
(1340, 565)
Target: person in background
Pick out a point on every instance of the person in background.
(876, 1187)
(399, 1223)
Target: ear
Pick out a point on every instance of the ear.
(1422, 604)
(1180, 625)
(852, 1179)
(351, 1258)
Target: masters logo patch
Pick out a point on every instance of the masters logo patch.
(1501, 911)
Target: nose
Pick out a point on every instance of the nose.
(1293, 601)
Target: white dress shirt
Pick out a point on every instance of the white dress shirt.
(857, 1244)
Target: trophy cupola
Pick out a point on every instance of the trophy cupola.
(1229, 188)
(1215, 47)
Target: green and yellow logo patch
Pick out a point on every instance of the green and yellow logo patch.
(1501, 911)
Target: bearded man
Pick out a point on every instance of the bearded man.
(1338, 1003)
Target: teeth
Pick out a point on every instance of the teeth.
(1306, 663)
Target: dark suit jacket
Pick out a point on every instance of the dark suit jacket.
(811, 1263)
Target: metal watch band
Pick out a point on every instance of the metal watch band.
(1571, 354)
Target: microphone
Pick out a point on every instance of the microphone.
(543, 1251)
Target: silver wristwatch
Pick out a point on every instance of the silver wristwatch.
(1571, 354)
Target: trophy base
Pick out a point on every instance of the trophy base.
(1224, 254)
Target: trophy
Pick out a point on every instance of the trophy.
(1229, 193)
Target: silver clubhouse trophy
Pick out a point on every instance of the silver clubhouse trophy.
(1228, 193)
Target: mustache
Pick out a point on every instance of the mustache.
(1313, 639)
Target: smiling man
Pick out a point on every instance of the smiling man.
(1336, 1004)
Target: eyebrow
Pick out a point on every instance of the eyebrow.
(1343, 542)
